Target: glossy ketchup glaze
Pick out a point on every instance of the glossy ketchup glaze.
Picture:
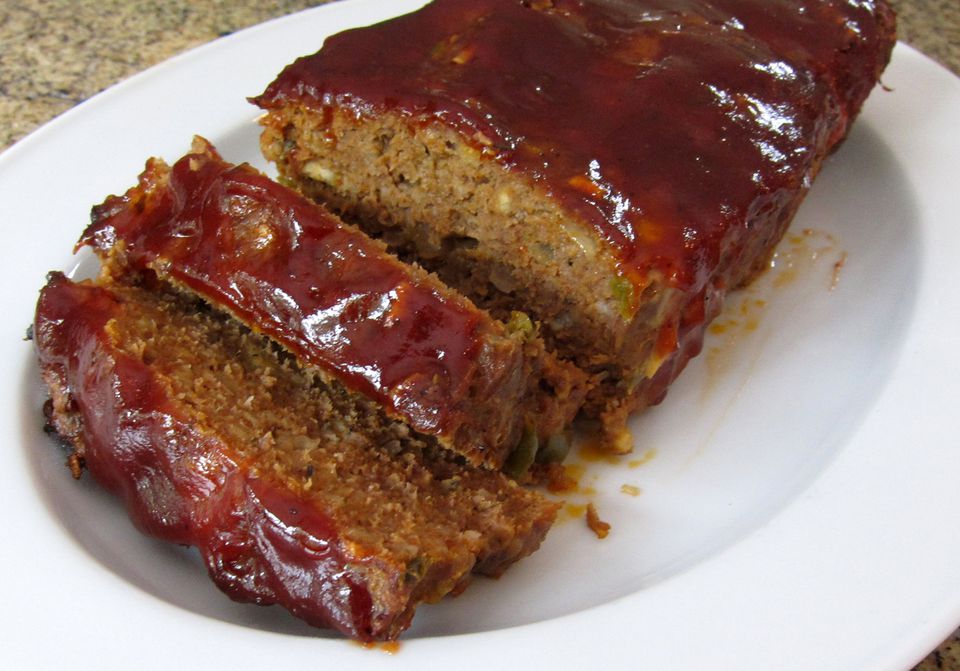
(260, 542)
(292, 271)
(673, 127)
(844, 43)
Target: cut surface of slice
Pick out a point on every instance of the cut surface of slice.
(612, 169)
(338, 301)
(295, 491)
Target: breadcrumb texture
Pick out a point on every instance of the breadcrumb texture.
(611, 169)
(341, 303)
(296, 490)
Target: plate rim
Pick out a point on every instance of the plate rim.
(940, 622)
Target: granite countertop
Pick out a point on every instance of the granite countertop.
(55, 54)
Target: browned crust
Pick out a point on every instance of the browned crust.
(438, 195)
(476, 395)
(264, 539)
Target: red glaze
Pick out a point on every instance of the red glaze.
(259, 541)
(844, 43)
(329, 294)
(674, 127)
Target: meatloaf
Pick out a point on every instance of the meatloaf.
(612, 168)
(341, 304)
(296, 491)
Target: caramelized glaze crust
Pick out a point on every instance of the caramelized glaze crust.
(673, 126)
(676, 138)
(335, 299)
(179, 484)
(294, 492)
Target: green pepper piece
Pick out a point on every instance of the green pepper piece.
(555, 450)
(521, 459)
(623, 291)
(520, 323)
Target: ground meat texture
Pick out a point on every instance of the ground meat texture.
(296, 491)
(611, 169)
(340, 302)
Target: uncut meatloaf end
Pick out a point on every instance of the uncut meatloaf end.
(612, 169)
(340, 303)
(296, 492)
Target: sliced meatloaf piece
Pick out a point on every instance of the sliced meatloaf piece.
(296, 491)
(611, 168)
(340, 303)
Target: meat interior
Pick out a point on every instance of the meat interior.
(387, 489)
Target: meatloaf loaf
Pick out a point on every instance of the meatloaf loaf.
(296, 491)
(341, 304)
(612, 168)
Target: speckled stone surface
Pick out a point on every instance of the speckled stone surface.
(57, 53)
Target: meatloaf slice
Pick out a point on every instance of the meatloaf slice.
(338, 301)
(611, 168)
(296, 491)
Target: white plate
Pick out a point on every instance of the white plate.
(800, 511)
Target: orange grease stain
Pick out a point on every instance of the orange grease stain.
(645, 458)
(801, 254)
(589, 452)
(574, 470)
(798, 252)
(837, 267)
(389, 647)
(592, 452)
